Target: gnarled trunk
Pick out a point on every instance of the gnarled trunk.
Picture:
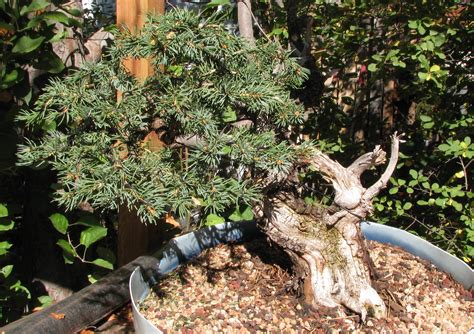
(327, 246)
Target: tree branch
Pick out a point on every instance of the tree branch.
(373, 190)
(364, 162)
(329, 168)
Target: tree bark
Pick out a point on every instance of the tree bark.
(327, 245)
(244, 13)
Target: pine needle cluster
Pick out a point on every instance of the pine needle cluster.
(229, 99)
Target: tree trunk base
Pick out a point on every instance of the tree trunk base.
(331, 258)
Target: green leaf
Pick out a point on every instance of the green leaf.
(444, 147)
(35, 6)
(4, 247)
(372, 67)
(428, 125)
(74, 12)
(430, 46)
(103, 263)
(51, 63)
(226, 150)
(57, 17)
(393, 191)
(421, 30)
(45, 300)
(422, 75)
(68, 252)
(413, 173)
(377, 57)
(88, 220)
(92, 235)
(6, 224)
(440, 201)
(412, 24)
(3, 211)
(60, 222)
(425, 118)
(11, 78)
(92, 278)
(215, 3)
(60, 35)
(435, 68)
(407, 206)
(6, 270)
(229, 115)
(379, 207)
(213, 219)
(245, 215)
(27, 44)
(392, 53)
(457, 206)
(17, 286)
(66, 246)
(33, 23)
(106, 254)
(401, 64)
(276, 31)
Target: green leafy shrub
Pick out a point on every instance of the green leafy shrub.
(421, 48)
(13, 294)
(404, 66)
(28, 30)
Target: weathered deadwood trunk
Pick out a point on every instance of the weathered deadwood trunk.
(327, 246)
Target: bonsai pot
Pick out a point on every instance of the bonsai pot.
(183, 248)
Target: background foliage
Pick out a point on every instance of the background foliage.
(31, 32)
(394, 65)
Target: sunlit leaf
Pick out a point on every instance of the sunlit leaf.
(92, 235)
(35, 5)
(27, 44)
(60, 222)
(213, 219)
(6, 270)
(3, 211)
(6, 224)
(103, 263)
(215, 3)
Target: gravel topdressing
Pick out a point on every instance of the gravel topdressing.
(248, 288)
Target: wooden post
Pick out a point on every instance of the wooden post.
(134, 237)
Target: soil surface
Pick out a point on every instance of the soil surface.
(248, 288)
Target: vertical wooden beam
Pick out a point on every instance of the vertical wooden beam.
(132, 13)
(134, 237)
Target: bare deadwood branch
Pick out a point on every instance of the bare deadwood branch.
(364, 162)
(373, 190)
(325, 165)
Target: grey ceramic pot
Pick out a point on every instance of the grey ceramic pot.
(185, 247)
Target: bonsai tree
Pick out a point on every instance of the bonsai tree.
(209, 132)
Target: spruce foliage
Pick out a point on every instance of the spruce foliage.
(206, 82)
